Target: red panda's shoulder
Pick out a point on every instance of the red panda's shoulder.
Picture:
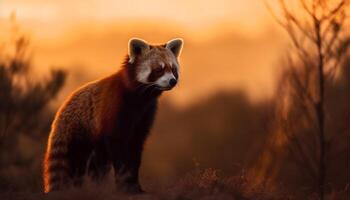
(108, 100)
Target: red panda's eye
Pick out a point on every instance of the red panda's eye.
(158, 70)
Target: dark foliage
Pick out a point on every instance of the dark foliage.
(308, 113)
(25, 115)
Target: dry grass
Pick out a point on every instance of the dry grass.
(205, 184)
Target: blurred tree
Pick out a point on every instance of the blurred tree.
(224, 131)
(24, 110)
(304, 121)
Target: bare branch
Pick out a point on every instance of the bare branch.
(334, 11)
(334, 28)
(280, 22)
(307, 9)
(290, 17)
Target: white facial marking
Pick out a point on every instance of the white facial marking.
(163, 81)
(176, 66)
(173, 60)
(143, 72)
(162, 65)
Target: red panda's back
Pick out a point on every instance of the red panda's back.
(79, 118)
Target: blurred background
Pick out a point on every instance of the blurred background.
(90, 38)
(222, 115)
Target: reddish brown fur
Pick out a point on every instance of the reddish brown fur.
(102, 124)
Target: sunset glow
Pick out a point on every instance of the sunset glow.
(93, 34)
(185, 99)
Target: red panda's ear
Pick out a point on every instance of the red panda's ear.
(175, 46)
(136, 47)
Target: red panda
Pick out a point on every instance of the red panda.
(104, 124)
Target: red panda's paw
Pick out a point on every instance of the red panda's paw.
(133, 189)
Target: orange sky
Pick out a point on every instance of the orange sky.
(248, 14)
(228, 43)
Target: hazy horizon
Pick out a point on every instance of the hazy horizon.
(218, 51)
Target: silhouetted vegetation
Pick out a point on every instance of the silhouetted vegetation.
(309, 122)
(25, 115)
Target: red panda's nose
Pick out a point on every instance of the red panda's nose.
(172, 82)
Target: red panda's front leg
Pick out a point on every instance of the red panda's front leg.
(127, 159)
(99, 163)
(126, 167)
(135, 146)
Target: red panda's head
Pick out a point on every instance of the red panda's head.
(155, 65)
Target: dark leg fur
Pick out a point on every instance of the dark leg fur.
(99, 164)
(79, 153)
(127, 171)
(127, 162)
